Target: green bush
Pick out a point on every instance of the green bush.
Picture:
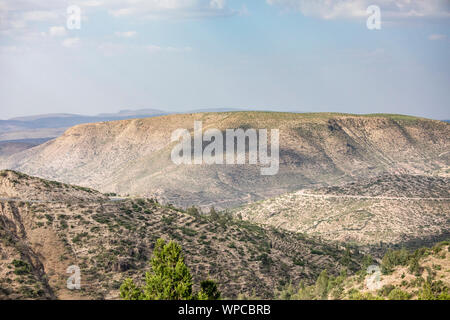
(398, 294)
(394, 258)
(436, 290)
(356, 295)
(21, 267)
(386, 290)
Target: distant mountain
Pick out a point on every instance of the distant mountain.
(21, 133)
(69, 120)
(43, 127)
(43, 116)
(133, 113)
(53, 125)
(10, 147)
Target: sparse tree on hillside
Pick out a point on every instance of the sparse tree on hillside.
(193, 211)
(213, 214)
(169, 279)
(322, 285)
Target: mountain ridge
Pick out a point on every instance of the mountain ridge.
(133, 156)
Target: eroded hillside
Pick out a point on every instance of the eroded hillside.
(15, 185)
(112, 240)
(389, 209)
(133, 156)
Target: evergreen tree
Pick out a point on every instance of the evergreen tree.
(169, 279)
(213, 214)
(193, 211)
(322, 285)
(129, 290)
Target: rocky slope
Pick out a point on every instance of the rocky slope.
(113, 240)
(133, 156)
(15, 185)
(389, 209)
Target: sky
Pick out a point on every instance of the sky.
(178, 55)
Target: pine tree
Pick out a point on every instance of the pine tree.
(129, 290)
(322, 285)
(213, 214)
(169, 279)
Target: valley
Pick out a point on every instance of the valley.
(349, 189)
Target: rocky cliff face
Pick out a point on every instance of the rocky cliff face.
(133, 156)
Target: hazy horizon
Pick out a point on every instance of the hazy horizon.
(278, 55)
(197, 110)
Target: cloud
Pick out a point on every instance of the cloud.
(347, 9)
(19, 15)
(434, 37)
(111, 49)
(40, 15)
(13, 50)
(158, 49)
(217, 4)
(71, 42)
(126, 34)
(114, 49)
(91, 3)
(57, 31)
(243, 11)
(170, 9)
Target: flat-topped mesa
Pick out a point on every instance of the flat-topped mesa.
(16, 186)
(134, 156)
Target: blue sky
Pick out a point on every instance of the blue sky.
(176, 55)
